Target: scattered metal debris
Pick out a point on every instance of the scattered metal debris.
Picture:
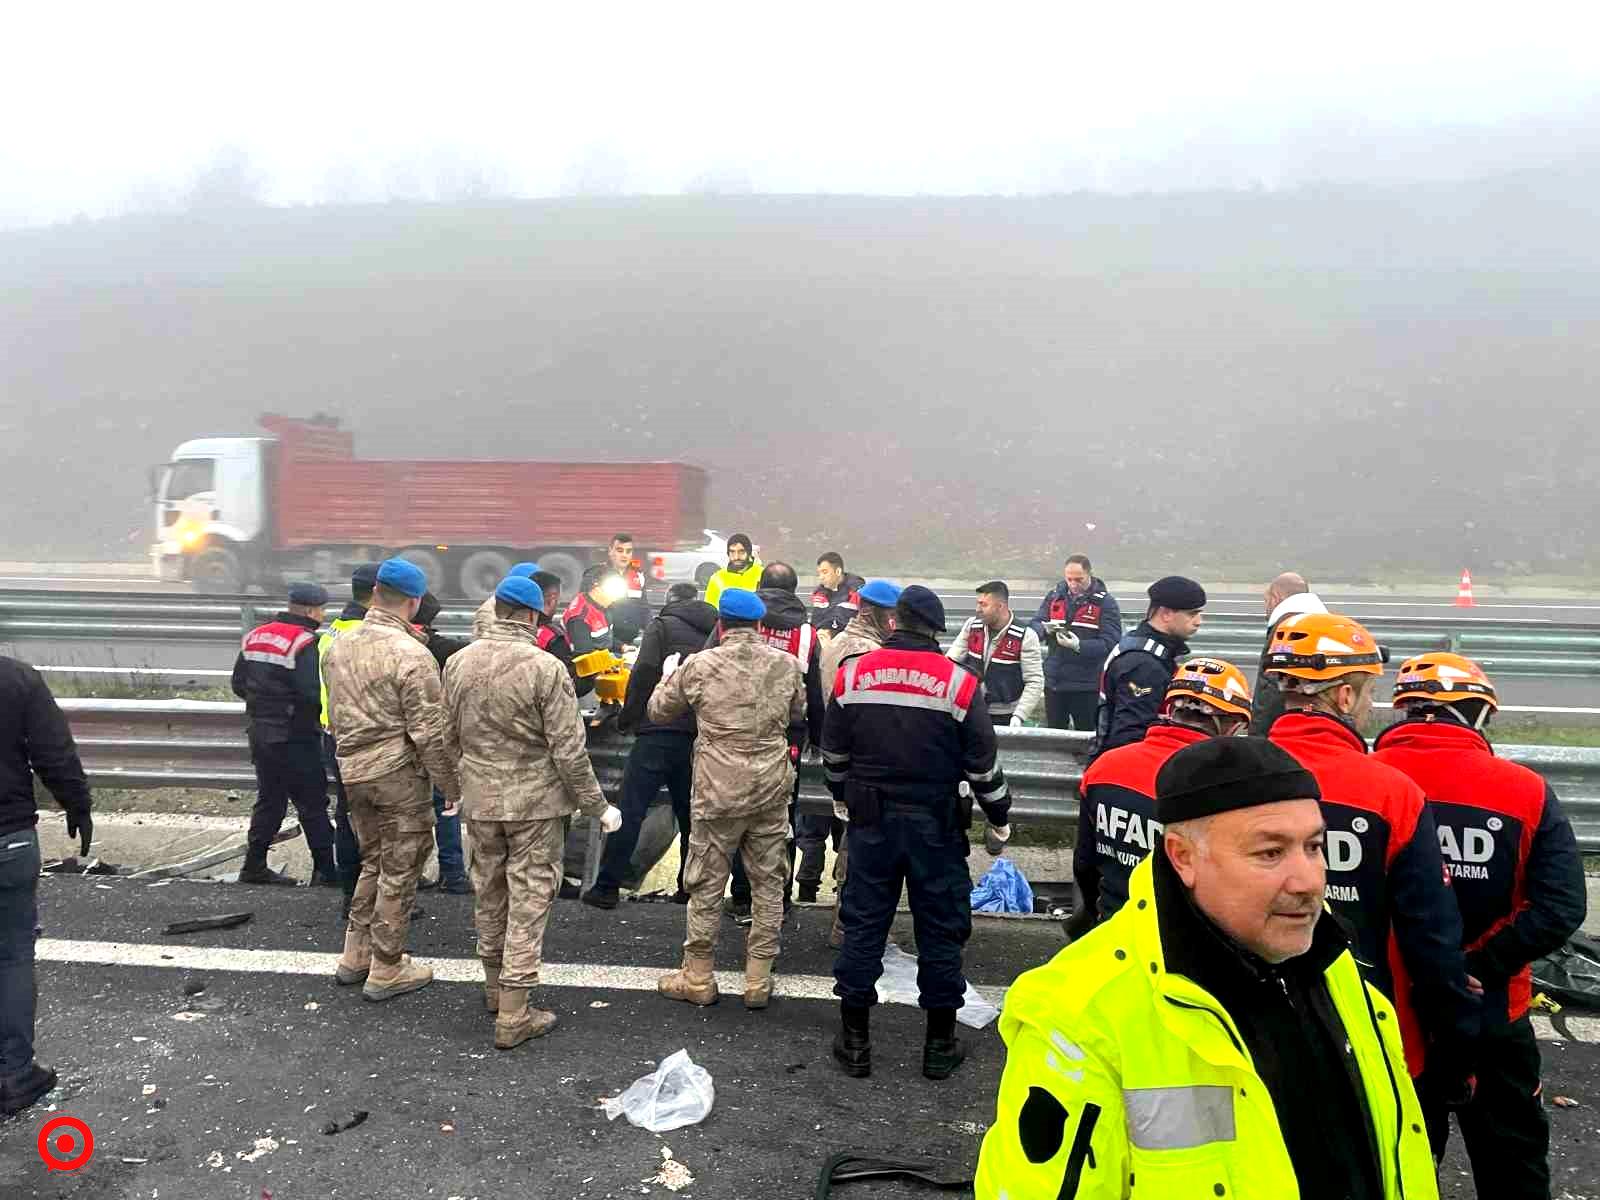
(226, 921)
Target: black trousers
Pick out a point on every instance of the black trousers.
(285, 772)
(662, 759)
(1071, 710)
(1505, 1129)
(918, 849)
(346, 850)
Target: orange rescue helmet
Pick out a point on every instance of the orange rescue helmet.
(1213, 682)
(1322, 646)
(1442, 678)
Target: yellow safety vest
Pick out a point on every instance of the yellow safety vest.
(324, 640)
(1160, 1099)
(747, 579)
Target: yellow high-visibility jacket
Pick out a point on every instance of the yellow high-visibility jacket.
(724, 579)
(1159, 1096)
(324, 640)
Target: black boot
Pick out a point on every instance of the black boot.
(852, 1045)
(943, 1051)
(25, 1090)
(255, 870)
(323, 871)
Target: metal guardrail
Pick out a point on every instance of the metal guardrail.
(201, 744)
(1505, 646)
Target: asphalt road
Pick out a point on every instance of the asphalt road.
(229, 1100)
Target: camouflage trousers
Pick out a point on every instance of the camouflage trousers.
(516, 872)
(393, 821)
(761, 839)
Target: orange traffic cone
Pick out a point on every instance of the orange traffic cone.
(1464, 592)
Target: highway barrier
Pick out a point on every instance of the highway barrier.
(201, 744)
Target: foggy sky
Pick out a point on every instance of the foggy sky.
(110, 109)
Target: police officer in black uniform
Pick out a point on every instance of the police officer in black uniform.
(276, 675)
(1136, 675)
(905, 728)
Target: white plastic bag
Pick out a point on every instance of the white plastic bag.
(676, 1094)
(898, 985)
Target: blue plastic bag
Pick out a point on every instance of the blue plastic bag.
(1002, 889)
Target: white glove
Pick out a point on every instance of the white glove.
(611, 819)
(1016, 720)
(840, 810)
(670, 664)
(1067, 640)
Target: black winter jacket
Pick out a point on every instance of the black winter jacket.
(34, 737)
(681, 628)
(1133, 685)
(277, 676)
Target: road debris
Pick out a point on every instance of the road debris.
(673, 1175)
(149, 1089)
(332, 1127)
(188, 1016)
(312, 1006)
(214, 1159)
(599, 1004)
(194, 987)
(199, 924)
(1566, 1102)
(263, 1146)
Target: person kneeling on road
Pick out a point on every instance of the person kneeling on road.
(907, 729)
(746, 696)
(1215, 1037)
(512, 726)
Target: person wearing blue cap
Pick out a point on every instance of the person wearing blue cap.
(276, 676)
(386, 715)
(906, 728)
(346, 852)
(866, 632)
(484, 616)
(746, 696)
(511, 721)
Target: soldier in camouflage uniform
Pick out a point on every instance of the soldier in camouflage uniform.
(512, 726)
(866, 632)
(745, 696)
(385, 715)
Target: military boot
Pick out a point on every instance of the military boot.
(516, 1022)
(491, 986)
(255, 870)
(693, 982)
(323, 871)
(943, 1051)
(757, 982)
(388, 980)
(852, 1045)
(356, 961)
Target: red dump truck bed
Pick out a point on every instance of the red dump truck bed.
(322, 495)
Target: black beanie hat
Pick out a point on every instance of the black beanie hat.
(1226, 773)
(1177, 592)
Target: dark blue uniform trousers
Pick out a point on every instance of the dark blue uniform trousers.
(917, 848)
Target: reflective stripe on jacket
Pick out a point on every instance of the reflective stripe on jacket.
(1122, 1080)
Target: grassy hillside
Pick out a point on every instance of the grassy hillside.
(1354, 381)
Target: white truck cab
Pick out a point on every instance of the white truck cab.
(211, 493)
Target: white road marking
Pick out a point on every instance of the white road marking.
(594, 977)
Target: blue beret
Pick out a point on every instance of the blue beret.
(881, 593)
(923, 604)
(363, 577)
(311, 595)
(401, 576)
(741, 605)
(521, 591)
(524, 570)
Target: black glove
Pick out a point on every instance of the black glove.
(1447, 1085)
(81, 825)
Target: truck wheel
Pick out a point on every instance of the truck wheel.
(481, 572)
(567, 566)
(217, 571)
(428, 563)
(704, 573)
